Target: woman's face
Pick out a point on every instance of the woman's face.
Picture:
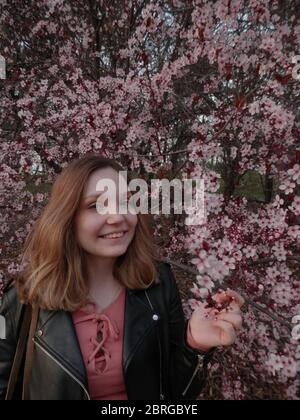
(89, 225)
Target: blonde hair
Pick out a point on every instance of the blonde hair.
(53, 276)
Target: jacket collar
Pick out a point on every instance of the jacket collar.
(56, 332)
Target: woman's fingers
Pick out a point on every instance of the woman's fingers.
(237, 297)
(227, 333)
(233, 307)
(228, 295)
(233, 318)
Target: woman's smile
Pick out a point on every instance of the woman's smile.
(114, 237)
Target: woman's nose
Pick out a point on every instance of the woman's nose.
(114, 218)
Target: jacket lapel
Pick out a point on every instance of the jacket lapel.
(56, 332)
(138, 320)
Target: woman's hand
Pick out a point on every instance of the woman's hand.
(218, 325)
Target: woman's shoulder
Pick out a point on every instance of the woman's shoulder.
(10, 301)
(164, 268)
(9, 290)
(166, 275)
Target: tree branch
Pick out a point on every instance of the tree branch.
(223, 286)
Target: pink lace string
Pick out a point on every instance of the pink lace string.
(100, 356)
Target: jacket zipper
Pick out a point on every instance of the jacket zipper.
(65, 369)
(198, 366)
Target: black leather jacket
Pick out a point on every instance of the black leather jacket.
(157, 361)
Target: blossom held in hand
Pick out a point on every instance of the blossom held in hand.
(217, 324)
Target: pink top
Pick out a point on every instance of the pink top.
(103, 357)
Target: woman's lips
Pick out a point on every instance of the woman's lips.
(114, 239)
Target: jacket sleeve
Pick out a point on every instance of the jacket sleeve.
(188, 366)
(9, 343)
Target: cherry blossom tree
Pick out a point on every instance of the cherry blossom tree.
(172, 89)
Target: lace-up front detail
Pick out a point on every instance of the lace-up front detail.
(100, 337)
(105, 330)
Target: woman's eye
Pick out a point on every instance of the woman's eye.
(93, 206)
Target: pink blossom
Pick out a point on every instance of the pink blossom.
(295, 207)
(278, 201)
(273, 272)
(294, 231)
(279, 252)
(206, 282)
(268, 43)
(226, 222)
(39, 197)
(294, 173)
(249, 252)
(282, 294)
(288, 187)
(274, 364)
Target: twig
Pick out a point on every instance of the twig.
(268, 260)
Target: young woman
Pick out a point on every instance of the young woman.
(110, 323)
